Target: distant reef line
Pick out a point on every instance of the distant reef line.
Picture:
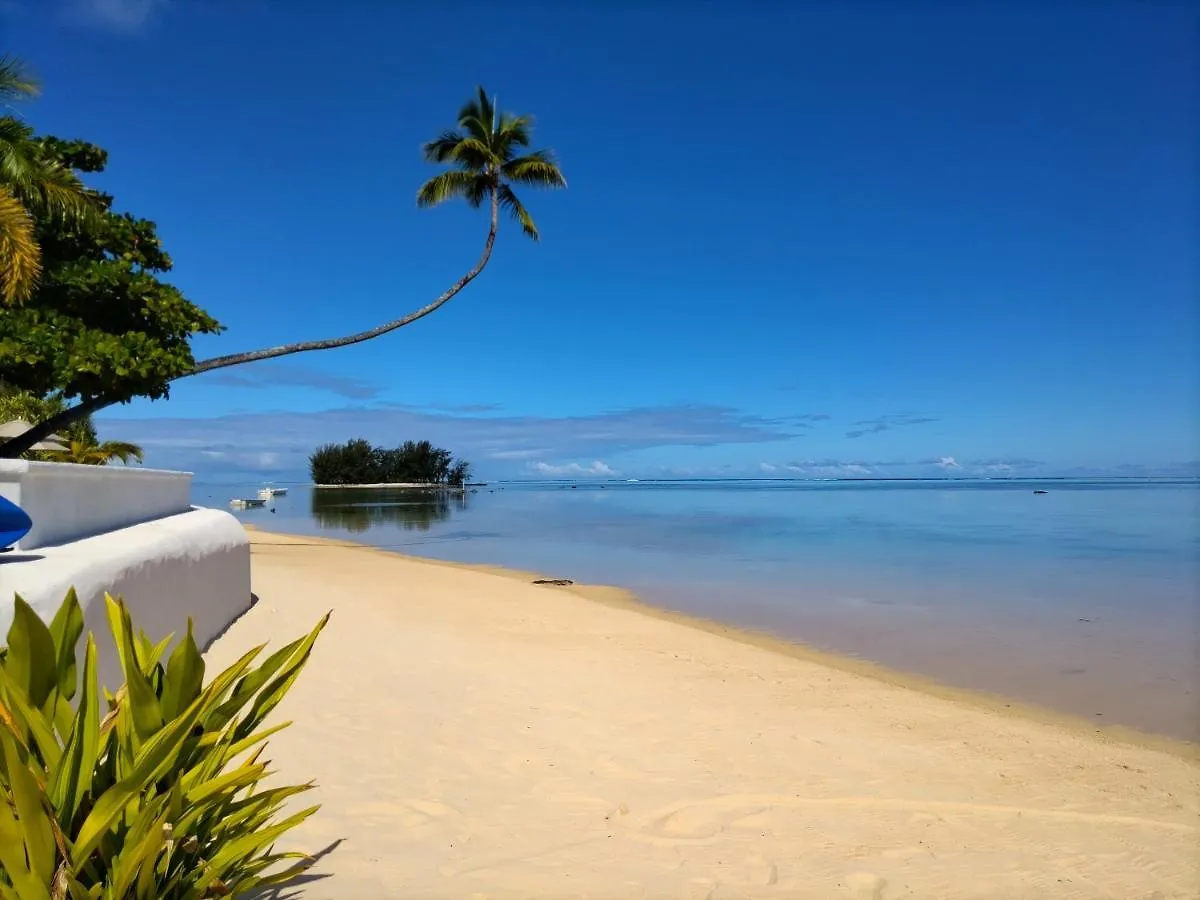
(421, 485)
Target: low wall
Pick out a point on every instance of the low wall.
(193, 564)
(68, 502)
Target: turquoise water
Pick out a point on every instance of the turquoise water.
(1083, 599)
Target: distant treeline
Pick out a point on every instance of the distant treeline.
(413, 462)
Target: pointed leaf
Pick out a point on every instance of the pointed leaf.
(31, 660)
(274, 692)
(72, 777)
(66, 629)
(28, 722)
(185, 676)
(32, 816)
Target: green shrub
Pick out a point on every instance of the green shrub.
(160, 798)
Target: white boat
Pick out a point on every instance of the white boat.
(268, 492)
(247, 502)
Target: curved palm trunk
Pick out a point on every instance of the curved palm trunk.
(14, 447)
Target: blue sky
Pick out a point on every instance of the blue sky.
(799, 239)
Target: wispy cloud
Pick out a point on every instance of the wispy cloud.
(805, 420)
(948, 463)
(466, 408)
(825, 468)
(117, 15)
(549, 470)
(885, 423)
(183, 443)
(264, 377)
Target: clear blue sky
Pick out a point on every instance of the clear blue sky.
(799, 238)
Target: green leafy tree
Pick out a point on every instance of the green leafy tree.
(413, 462)
(102, 326)
(56, 343)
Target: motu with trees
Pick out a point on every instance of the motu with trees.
(84, 313)
(357, 462)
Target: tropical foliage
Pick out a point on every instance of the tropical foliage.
(33, 185)
(101, 322)
(413, 462)
(95, 453)
(159, 797)
(81, 443)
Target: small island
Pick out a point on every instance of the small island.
(359, 464)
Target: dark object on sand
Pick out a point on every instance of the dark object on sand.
(558, 581)
(1041, 492)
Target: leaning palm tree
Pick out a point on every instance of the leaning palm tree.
(483, 164)
(91, 453)
(30, 185)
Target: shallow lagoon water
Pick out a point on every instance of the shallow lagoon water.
(1084, 599)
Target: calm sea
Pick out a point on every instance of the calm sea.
(1084, 599)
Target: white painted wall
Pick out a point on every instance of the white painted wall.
(67, 502)
(195, 564)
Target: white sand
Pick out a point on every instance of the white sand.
(477, 736)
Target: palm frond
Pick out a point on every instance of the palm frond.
(57, 192)
(475, 155)
(538, 169)
(513, 131)
(122, 450)
(518, 211)
(16, 82)
(440, 149)
(478, 117)
(454, 183)
(20, 256)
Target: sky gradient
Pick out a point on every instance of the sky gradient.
(799, 239)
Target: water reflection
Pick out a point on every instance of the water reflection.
(358, 510)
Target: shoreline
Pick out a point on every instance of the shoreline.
(474, 735)
(621, 598)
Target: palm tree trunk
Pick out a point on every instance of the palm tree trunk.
(14, 447)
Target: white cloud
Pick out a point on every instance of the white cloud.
(121, 15)
(948, 463)
(519, 454)
(768, 468)
(553, 471)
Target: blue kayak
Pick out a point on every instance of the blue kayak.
(14, 524)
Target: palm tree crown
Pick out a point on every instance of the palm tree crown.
(483, 154)
(30, 185)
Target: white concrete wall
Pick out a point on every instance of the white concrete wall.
(193, 564)
(67, 502)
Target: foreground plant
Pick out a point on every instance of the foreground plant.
(160, 798)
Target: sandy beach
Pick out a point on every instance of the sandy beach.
(477, 736)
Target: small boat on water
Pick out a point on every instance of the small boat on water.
(247, 502)
(268, 492)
